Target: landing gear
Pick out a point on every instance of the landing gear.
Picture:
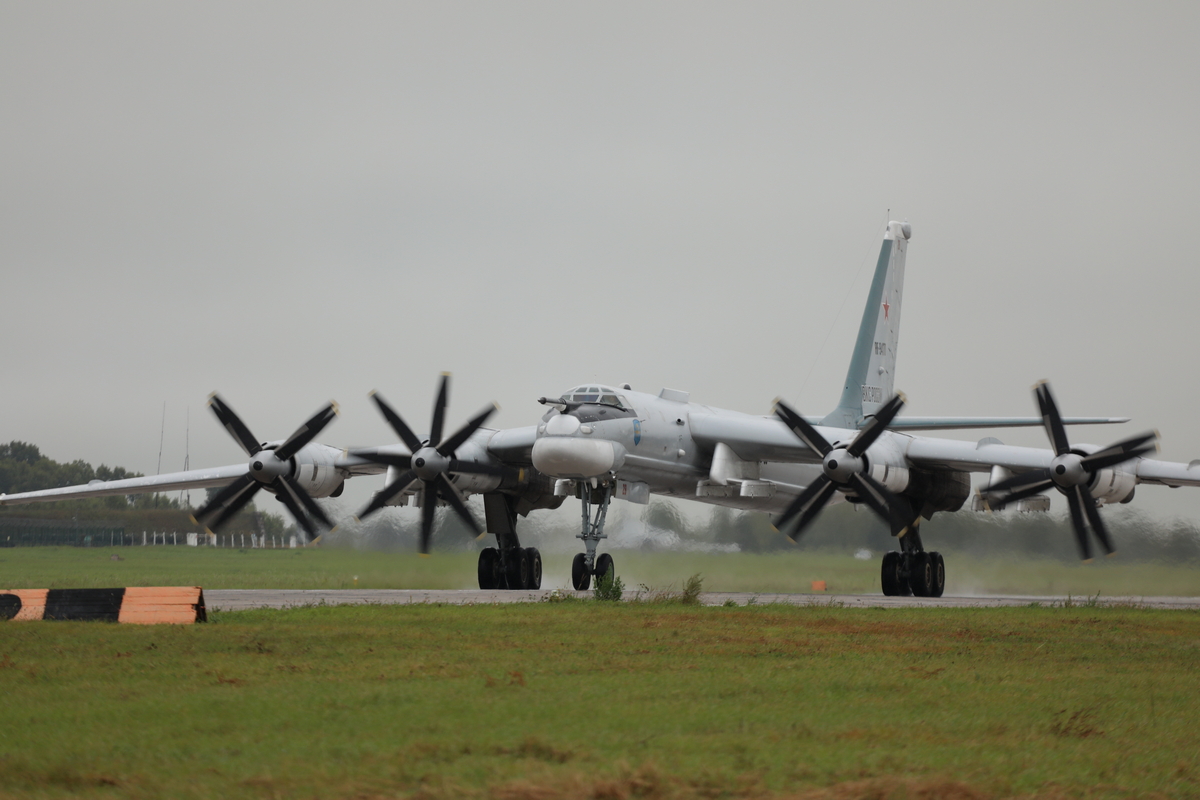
(508, 566)
(489, 568)
(586, 564)
(913, 571)
(893, 577)
(522, 570)
(581, 579)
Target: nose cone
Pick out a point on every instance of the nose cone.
(575, 457)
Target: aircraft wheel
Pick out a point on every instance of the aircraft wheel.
(939, 575)
(533, 560)
(605, 565)
(891, 577)
(488, 568)
(517, 573)
(580, 578)
(920, 576)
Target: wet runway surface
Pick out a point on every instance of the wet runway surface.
(240, 599)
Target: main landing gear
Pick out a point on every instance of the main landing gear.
(912, 571)
(587, 564)
(508, 565)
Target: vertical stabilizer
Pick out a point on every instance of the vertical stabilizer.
(870, 379)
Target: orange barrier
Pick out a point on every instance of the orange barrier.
(142, 605)
(818, 586)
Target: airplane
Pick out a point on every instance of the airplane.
(598, 442)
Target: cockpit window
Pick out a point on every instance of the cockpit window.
(599, 395)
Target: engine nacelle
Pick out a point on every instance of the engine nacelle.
(313, 469)
(938, 490)
(1113, 485)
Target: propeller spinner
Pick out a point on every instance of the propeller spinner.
(1071, 473)
(269, 468)
(432, 462)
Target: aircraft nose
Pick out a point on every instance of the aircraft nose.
(576, 457)
(562, 425)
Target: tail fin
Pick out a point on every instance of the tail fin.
(869, 381)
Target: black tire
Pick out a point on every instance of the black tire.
(489, 560)
(580, 578)
(920, 574)
(517, 569)
(533, 560)
(891, 576)
(605, 565)
(939, 575)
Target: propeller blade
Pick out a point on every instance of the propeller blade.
(1051, 419)
(1021, 481)
(799, 426)
(876, 425)
(402, 482)
(233, 509)
(1121, 451)
(448, 493)
(448, 447)
(391, 459)
(802, 500)
(232, 423)
(310, 505)
(439, 412)
(473, 468)
(398, 425)
(1114, 459)
(285, 497)
(875, 495)
(813, 508)
(428, 506)
(1076, 502)
(1093, 515)
(307, 432)
(223, 498)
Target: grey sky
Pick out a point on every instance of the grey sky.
(291, 202)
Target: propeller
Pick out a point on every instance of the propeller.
(270, 468)
(844, 468)
(431, 462)
(1070, 472)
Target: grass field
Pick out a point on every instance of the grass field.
(332, 568)
(599, 700)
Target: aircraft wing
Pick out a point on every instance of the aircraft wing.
(514, 446)
(752, 438)
(981, 457)
(964, 423)
(192, 479)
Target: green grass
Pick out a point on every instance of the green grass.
(591, 699)
(333, 568)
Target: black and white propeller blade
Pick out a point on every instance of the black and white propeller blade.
(431, 462)
(270, 469)
(1070, 472)
(844, 468)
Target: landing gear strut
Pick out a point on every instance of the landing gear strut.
(913, 571)
(508, 566)
(586, 564)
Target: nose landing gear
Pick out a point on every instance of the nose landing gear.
(587, 564)
(913, 571)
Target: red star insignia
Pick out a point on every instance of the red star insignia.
(885, 309)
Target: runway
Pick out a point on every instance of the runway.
(242, 599)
